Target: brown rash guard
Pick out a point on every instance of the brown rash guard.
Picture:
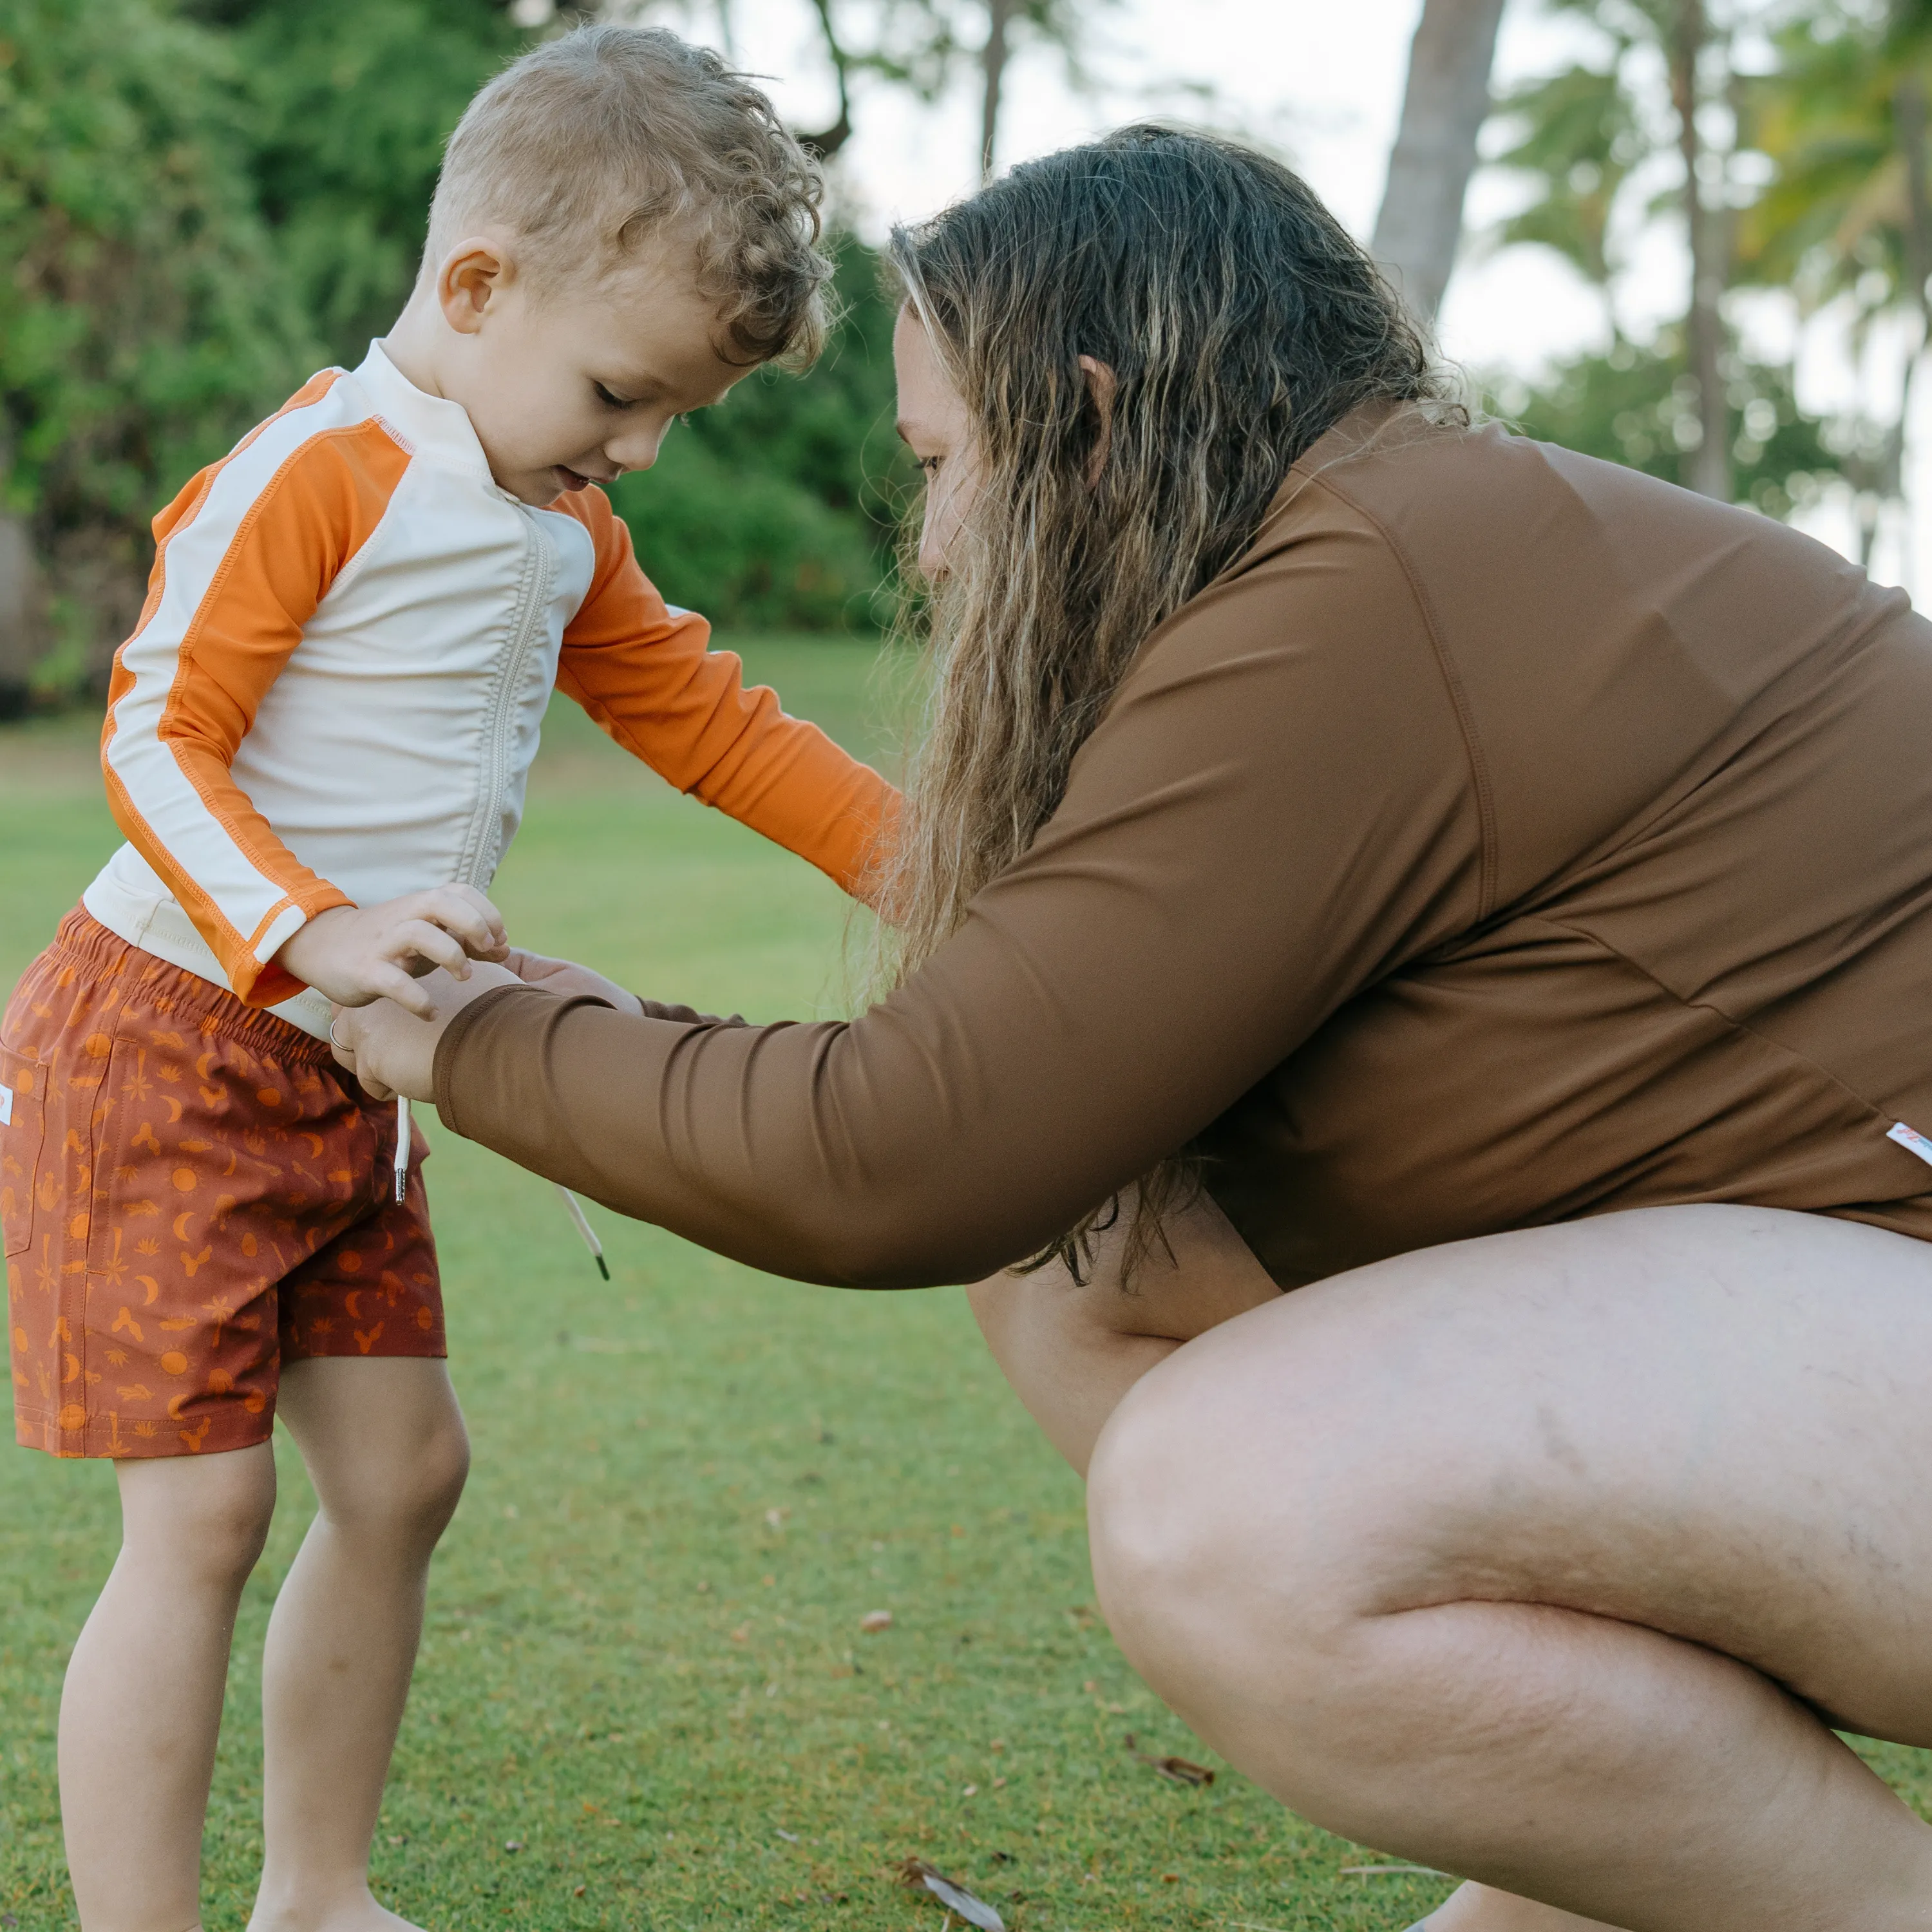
(1506, 838)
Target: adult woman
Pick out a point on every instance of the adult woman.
(1506, 883)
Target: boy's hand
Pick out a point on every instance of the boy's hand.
(570, 980)
(355, 954)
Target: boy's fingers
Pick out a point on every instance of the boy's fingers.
(428, 943)
(392, 982)
(470, 917)
(491, 915)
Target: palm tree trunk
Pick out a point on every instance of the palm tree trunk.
(1704, 325)
(1443, 109)
(1910, 120)
(993, 73)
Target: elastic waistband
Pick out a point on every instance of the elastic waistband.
(99, 952)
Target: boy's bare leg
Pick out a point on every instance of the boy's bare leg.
(143, 1705)
(385, 1448)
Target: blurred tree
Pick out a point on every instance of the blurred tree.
(1689, 44)
(201, 201)
(1848, 213)
(347, 106)
(1590, 137)
(1443, 106)
(922, 46)
(146, 320)
(1639, 406)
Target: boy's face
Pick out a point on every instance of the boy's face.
(574, 388)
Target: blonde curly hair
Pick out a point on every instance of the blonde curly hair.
(606, 136)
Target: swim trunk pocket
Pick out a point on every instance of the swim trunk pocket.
(22, 1125)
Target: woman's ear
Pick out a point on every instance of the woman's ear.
(1102, 385)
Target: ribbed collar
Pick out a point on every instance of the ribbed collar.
(432, 426)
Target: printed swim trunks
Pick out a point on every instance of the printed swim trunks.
(193, 1193)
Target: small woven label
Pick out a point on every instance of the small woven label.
(6, 1106)
(1913, 1141)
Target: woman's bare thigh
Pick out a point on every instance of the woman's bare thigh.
(1716, 1421)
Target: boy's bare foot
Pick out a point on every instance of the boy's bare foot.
(345, 1914)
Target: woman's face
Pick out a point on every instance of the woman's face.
(933, 420)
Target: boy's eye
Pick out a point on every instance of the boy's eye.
(604, 396)
(930, 464)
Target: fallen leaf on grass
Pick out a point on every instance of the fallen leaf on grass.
(918, 1875)
(875, 1621)
(789, 1837)
(1181, 1770)
(513, 1844)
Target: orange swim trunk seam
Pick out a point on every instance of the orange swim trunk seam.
(193, 1194)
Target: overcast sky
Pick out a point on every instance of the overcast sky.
(1320, 81)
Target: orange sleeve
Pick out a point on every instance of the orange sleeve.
(245, 554)
(644, 672)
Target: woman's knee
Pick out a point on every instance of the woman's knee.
(1232, 1579)
(1172, 1562)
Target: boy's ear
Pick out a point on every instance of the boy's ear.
(473, 273)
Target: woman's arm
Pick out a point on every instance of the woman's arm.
(1276, 811)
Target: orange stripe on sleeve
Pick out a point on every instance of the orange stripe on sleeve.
(220, 620)
(646, 675)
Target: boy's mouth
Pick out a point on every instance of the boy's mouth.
(570, 479)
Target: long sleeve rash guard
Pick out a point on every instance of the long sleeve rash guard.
(1507, 837)
(335, 691)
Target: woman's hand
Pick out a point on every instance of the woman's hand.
(569, 981)
(391, 1051)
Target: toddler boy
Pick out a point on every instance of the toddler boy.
(317, 743)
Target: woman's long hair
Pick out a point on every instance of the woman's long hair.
(1240, 322)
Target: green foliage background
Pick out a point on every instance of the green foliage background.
(203, 201)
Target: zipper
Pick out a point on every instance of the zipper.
(539, 574)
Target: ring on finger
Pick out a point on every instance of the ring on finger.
(340, 1046)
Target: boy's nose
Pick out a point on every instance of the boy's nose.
(633, 452)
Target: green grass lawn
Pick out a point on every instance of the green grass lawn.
(643, 1667)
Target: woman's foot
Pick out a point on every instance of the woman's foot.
(1481, 1908)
